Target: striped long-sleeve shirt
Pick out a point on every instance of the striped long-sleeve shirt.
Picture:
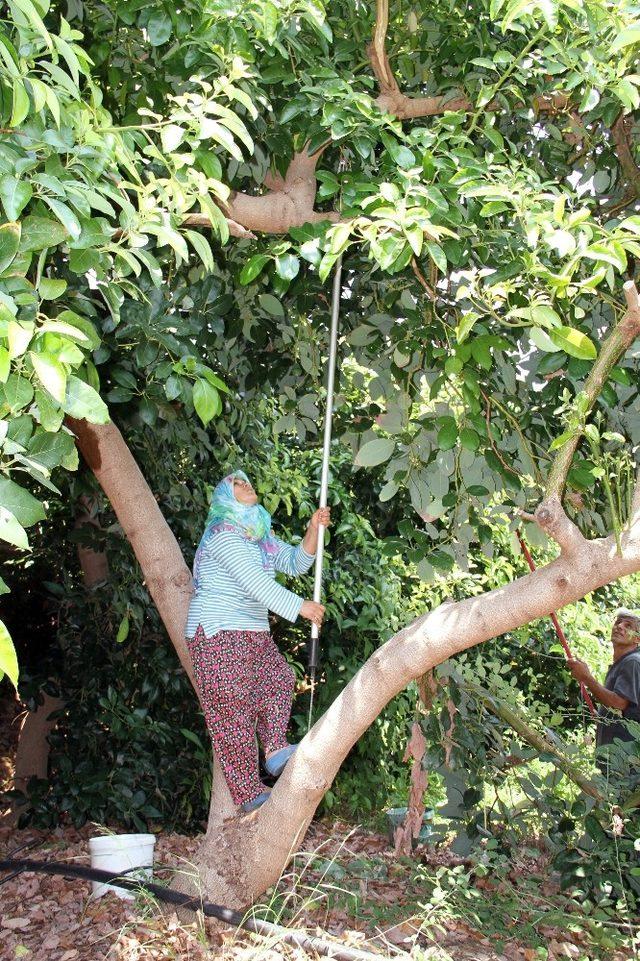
(234, 591)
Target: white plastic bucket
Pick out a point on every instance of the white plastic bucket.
(119, 853)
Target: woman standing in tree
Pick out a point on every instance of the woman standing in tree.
(244, 680)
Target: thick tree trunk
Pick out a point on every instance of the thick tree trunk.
(93, 564)
(241, 857)
(32, 754)
(165, 572)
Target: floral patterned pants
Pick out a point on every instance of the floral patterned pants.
(245, 684)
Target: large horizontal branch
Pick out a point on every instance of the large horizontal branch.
(270, 836)
(616, 344)
(392, 100)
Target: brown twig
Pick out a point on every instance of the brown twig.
(414, 266)
(487, 417)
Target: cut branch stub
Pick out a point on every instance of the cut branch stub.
(551, 518)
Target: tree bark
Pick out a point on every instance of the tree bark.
(32, 754)
(242, 856)
(165, 572)
(93, 564)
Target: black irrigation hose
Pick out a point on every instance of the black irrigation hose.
(28, 844)
(234, 918)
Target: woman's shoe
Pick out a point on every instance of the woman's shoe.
(275, 764)
(255, 803)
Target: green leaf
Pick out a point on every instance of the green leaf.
(201, 246)
(213, 379)
(123, 630)
(448, 435)
(542, 340)
(75, 325)
(26, 509)
(206, 400)
(84, 402)
(19, 338)
(375, 452)
(65, 215)
(51, 449)
(41, 232)
(339, 237)
(159, 28)
(16, 393)
(271, 304)
(20, 107)
(545, 316)
(25, 12)
(574, 343)
(50, 289)
(3, 588)
(287, 266)
(171, 137)
(389, 490)
(12, 531)
(5, 365)
(437, 255)
(561, 440)
(15, 195)
(51, 374)
(8, 657)
(50, 415)
(610, 252)
(469, 439)
(9, 244)
(625, 38)
(253, 268)
(326, 264)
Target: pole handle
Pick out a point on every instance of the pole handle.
(556, 623)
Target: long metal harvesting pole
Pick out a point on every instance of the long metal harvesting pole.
(324, 480)
(556, 624)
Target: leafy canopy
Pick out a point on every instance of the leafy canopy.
(485, 245)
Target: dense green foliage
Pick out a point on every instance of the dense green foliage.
(484, 253)
(129, 708)
(127, 118)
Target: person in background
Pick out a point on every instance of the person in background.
(620, 692)
(244, 681)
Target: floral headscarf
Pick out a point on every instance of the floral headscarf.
(228, 514)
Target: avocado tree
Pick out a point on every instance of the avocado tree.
(475, 167)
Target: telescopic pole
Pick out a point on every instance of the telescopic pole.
(556, 624)
(314, 644)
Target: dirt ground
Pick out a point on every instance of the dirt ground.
(347, 885)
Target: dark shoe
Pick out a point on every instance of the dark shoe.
(276, 763)
(255, 803)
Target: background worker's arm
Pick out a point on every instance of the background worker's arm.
(609, 698)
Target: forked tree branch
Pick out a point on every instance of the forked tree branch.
(618, 341)
(243, 856)
(551, 518)
(289, 202)
(392, 100)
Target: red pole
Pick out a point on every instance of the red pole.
(556, 624)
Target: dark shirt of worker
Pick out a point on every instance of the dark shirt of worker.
(620, 692)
